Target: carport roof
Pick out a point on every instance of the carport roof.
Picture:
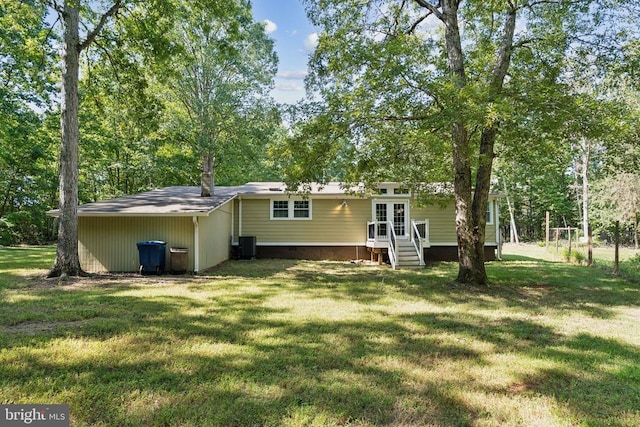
(168, 201)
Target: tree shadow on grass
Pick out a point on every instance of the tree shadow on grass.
(19, 265)
(152, 363)
(597, 379)
(214, 354)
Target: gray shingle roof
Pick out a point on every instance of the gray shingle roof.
(168, 201)
(178, 201)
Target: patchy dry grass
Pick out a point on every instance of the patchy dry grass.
(276, 342)
(603, 257)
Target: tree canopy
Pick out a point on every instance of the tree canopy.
(507, 94)
(221, 85)
(418, 92)
(116, 130)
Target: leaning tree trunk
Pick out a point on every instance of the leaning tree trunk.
(67, 261)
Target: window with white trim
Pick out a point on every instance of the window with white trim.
(490, 212)
(279, 209)
(290, 209)
(301, 209)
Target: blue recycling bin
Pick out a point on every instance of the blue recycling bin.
(152, 256)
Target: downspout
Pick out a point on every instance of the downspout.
(239, 216)
(233, 205)
(196, 245)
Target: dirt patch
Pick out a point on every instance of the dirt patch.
(33, 328)
(114, 280)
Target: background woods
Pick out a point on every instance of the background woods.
(166, 88)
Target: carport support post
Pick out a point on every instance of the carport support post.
(546, 220)
(196, 245)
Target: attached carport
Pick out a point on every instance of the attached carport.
(109, 230)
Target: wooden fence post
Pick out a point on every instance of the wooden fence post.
(547, 230)
(616, 259)
(590, 246)
(569, 233)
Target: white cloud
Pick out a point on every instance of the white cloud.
(269, 26)
(289, 86)
(311, 42)
(292, 74)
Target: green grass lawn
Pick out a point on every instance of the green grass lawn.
(286, 343)
(603, 256)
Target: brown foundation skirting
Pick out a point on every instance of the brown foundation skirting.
(332, 253)
(450, 253)
(343, 253)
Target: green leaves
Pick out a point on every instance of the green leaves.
(222, 84)
(26, 52)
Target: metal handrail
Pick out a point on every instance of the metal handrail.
(416, 238)
(392, 244)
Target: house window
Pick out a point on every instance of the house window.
(400, 190)
(301, 209)
(490, 213)
(280, 209)
(290, 209)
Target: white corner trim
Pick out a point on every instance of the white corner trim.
(196, 244)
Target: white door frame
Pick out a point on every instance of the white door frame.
(390, 208)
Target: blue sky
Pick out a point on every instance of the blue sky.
(294, 37)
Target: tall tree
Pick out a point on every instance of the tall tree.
(410, 72)
(222, 82)
(617, 198)
(418, 71)
(67, 262)
(26, 85)
(146, 21)
(120, 116)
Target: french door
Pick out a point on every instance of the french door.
(397, 212)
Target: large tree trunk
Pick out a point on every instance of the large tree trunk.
(468, 262)
(471, 210)
(67, 262)
(470, 265)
